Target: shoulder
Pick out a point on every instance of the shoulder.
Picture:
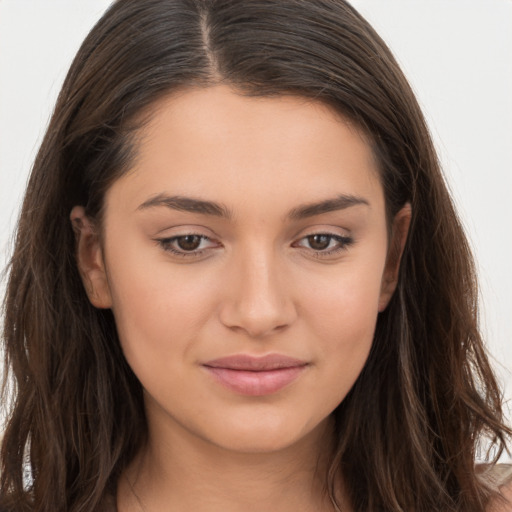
(500, 477)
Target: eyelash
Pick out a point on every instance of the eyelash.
(166, 244)
(344, 243)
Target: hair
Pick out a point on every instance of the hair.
(408, 431)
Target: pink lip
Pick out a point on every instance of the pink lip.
(255, 376)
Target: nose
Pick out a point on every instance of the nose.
(257, 297)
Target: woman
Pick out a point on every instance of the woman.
(239, 281)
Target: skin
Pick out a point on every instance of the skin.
(258, 287)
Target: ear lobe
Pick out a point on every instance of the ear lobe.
(399, 231)
(89, 258)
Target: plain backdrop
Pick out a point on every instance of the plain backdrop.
(457, 55)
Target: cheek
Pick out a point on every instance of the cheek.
(342, 313)
(346, 299)
(158, 310)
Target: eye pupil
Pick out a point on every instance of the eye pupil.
(189, 242)
(319, 242)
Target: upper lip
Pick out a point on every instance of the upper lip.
(255, 363)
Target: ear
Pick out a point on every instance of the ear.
(90, 259)
(399, 231)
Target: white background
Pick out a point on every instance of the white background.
(456, 53)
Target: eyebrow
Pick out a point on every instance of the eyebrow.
(187, 204)
(203, 207)
(340, 202)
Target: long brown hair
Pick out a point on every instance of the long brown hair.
(407, 432)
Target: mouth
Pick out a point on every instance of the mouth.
(255, 376)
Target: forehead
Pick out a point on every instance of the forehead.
(216, 142)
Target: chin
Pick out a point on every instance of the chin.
(267, 434)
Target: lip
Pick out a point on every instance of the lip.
(255, 376)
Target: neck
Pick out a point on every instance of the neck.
(176, 471)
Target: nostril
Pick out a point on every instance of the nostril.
(256, 297)
(257, 321)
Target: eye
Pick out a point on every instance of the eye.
(325, 244)
(186, 245)
(319, 242)
(188, 242)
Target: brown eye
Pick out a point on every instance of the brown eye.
(188, 246)
(325, 245)
(188, 242)
(319, 242)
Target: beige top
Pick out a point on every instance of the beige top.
(499, 478)
(497, 475)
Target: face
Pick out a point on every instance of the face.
(245, 257)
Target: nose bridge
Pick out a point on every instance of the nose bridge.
(257, 297)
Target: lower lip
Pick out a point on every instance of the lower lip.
(256, 383)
